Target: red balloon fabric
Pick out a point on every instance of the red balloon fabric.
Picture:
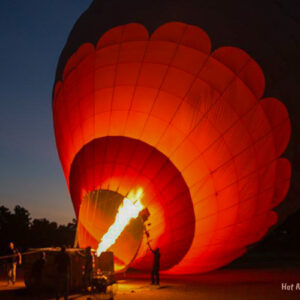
(187, 125)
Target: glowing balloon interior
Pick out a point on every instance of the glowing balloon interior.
(128, 210)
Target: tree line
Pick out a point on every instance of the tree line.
(17, 226)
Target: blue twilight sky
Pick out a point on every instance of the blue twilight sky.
(32, 33)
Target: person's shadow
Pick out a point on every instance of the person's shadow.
(164, 287)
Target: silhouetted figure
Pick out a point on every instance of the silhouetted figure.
(37, 271)
(155, 268)
(62, 263)
(88, 268)
(12, 263)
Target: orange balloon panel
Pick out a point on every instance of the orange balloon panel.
(187, 125)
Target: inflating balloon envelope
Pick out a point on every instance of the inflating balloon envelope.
(187, 125)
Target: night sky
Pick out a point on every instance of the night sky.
(33, 34)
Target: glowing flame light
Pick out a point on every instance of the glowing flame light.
(128, 210)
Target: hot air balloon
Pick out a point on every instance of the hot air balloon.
(188, 125)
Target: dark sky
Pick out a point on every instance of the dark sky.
(33, 33)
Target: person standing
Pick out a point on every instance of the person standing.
(156, 265)
(63, 264)
(14, 258)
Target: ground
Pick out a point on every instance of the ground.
(256, 276)
(222, 284)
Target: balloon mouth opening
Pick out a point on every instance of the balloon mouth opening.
(108, 169)
(97, 213)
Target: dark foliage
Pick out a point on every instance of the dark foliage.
(18, 227)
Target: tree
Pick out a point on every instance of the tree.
(17, 226)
